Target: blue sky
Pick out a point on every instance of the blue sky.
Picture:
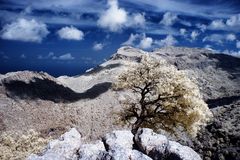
(66, 37)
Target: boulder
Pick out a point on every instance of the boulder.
(182, 152)
(158, 146)
(151, 143)
(63, 148)
(119, 139)
(92, 151)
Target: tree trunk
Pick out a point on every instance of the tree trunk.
(136, 126)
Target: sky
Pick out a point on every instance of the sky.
(67, 37)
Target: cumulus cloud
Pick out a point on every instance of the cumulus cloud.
(140, 41)
(131, 40)
(231, 24)
(70, 33)
(51, 55)
(25, 30)
(23, 56)
(183, 31)
(98, 46)
(115, 18)
(64, 57)
(232, 52)
(168, 41)
(146, 42)
(169, 19)
(202, 27)
(234, 21)
(231, 37)
(194, 35)
(238, 44)
(217, 24)
(137, 19)
(219, 38)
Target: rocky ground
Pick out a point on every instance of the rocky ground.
(51, 106)
(117, 145)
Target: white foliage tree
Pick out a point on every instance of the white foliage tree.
(164, 98)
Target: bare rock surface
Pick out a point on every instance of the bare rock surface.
(117, 145)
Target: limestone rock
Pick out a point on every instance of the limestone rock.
(63, 148)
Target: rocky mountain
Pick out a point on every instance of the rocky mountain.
(31, 100)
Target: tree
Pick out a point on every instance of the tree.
(161, 97)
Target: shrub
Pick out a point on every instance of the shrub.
(15, 146)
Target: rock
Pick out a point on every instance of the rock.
(92, 151)
(151, 143)
(158, 146)
(63, 148)
(120, 144)
(183, 152)
(119, 139)
(117, 145)
(127, 154)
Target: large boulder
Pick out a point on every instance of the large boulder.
(65, 147)
(158, 146)
(120, 146)
(92, 151)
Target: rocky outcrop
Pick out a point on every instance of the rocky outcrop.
(117, 145)
(65, 147)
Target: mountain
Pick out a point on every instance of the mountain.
(31, 100)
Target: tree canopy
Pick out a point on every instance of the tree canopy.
(161, 97)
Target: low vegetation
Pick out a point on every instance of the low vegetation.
(14, 146)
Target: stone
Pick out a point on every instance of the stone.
(92, 151)
(151, 143)
(183, 152)
(122, 139)
(63, 148)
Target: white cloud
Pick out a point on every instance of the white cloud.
(230, 24)
(67, 56)
(23, 56)
(194, 35)
(25, 30)
(169, 19)
(217, 24)
(70, 33)
(183, 31)
(168, 41)
(146, 42)
(131, 40)
(238, 44)
(202, 27)
(140, 41)
(137, 19)
(219, 38)
(234, 21)
(51, 55)
(231, 37)
(115, 18)
(98, 46)
(232, 52)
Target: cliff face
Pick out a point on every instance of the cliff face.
(30, 100)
